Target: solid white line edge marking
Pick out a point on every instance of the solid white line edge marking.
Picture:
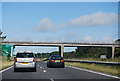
(6, 69)
(94, 72)
(40, 67)
(51, 79)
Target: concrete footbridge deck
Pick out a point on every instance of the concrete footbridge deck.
(111, 47)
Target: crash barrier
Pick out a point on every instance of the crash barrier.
(95, 62)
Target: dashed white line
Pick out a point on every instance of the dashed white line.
(44, 71)
(94, 72)
(51, 79)
(6, 69)
(40, 67)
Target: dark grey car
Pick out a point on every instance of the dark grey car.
(55, 61)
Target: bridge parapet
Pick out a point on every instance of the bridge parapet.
(61, 45)
(17, 42)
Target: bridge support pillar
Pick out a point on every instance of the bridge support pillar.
(61, 50)
(111, 51)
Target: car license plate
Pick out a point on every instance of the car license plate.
(24, 63)
(57, 60)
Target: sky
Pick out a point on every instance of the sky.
(60, 0)
(60, 21)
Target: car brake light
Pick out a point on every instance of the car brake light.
(15, 59)
(51, 60)
(62, 61)
(34, 59)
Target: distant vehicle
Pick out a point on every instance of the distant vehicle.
(55, 61)
(25, 60)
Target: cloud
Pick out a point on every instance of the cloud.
(46, 24)
(95, 19)
(70, 34)
(87, 38)
(107, 39)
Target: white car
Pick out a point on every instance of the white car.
(25, 60)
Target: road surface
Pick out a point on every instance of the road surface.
(53, 74)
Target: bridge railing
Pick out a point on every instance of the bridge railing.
(64, 42)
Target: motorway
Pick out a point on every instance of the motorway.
(52, 74)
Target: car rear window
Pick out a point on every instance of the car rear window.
(56, 58)
(25, 55)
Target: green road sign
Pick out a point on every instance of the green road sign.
(7, 49)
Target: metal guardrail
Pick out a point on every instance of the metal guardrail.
(95, 62)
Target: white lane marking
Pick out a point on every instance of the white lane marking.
(44, 71)
(51, 79)
(6, 69)
(94, 72)
(40, 67)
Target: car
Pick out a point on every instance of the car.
(55, 61)
(25, 60)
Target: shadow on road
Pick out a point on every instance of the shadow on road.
(24, 70)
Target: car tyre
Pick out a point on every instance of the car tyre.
(48, 65)
(62, 66)
(15, 69)
(34, 70)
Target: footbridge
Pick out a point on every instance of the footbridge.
(61, 45)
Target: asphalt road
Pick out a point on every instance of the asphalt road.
(52, 73)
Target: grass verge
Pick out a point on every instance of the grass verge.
(4, 63)
(113, 70)
(98, 59)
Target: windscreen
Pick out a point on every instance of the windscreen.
(56, 58)
(24, 55)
